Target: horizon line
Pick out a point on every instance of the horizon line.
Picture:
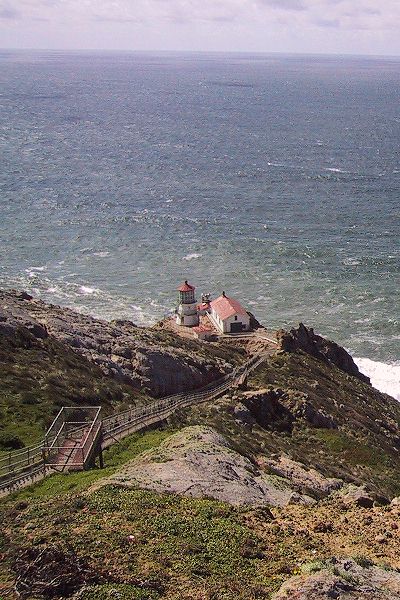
(233, 52)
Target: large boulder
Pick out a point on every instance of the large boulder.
(357, 496)
(198, 462)
(305, 479)
(277, 410)
(268, 410)
(342, 579)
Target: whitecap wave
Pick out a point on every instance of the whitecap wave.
(351, 261)
(191, 256)
(384, 377)
(332, 170)
(88, 291)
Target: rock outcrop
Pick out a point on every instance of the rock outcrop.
(341, 578)
(198, 462)
(144, 358)
(304, 338)
(304, 479)
(357, 496)
(278, 410)
(267, 409)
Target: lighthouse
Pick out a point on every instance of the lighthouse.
(186, 313)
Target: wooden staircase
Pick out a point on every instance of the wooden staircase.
(71, 443)
(78, 435)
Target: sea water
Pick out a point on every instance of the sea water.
(274, 178)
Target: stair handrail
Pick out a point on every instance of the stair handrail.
(95, 422)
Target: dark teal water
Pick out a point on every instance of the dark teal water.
(274, 178)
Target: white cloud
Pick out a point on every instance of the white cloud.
(205, 10)
(8, 11)
(211, 24)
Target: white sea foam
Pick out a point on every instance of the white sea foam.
(191, 256)
(384, 377)
(332, 170)
(101, 254)
(88, 291)
(33, 272)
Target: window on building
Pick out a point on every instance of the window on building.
(235, 317)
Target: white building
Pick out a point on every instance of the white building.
(228, 315)
(186, 313)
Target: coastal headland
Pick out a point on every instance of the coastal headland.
(286, 485)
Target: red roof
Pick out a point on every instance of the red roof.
(186, 287)
(227, 307)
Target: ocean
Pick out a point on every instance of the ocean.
(274, 178)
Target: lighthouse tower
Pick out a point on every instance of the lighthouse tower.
(186, 313)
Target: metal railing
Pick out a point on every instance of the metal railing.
(137, 418)
(68, 422)
(76, 435)
(18, 460)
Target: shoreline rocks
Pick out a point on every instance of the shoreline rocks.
(303, 338)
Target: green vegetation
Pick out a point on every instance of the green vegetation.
(313, 567)
(122, 591)
(105, 542)
(144, 543)
(10, 441)
(168, 545)
(141, 545)
(352, 450)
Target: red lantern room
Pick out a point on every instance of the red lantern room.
(186, 293)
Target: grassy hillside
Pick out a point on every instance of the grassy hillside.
(134, 544)
(63, 538)
(52, 356)
(38, 377)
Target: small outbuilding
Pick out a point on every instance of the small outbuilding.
(201, 332)
(228, 315)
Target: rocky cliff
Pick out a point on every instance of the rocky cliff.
(52, 356)
(144, 358)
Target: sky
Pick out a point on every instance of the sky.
(293, 26)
